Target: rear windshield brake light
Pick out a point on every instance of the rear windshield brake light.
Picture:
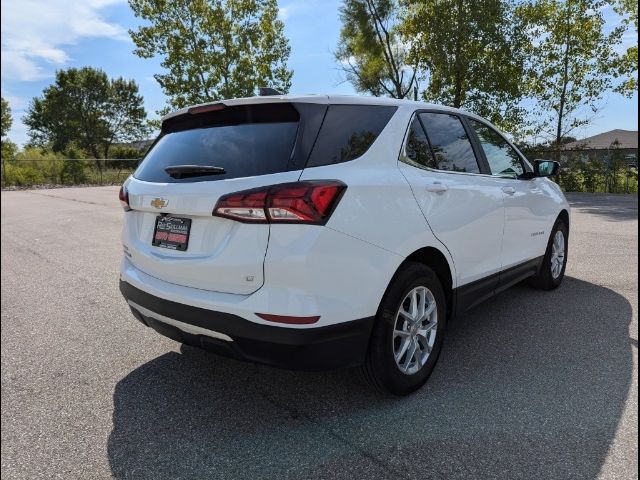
(310, 202)
(206, 108)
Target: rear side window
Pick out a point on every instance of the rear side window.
(244, 141)
(347, 132)
(417, 150)
(450, 143)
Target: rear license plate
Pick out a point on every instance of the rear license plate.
(171, 232)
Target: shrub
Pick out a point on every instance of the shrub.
(21, 175)
(73, 170)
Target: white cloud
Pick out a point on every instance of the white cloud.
(18, 133)
(16, 103)
(284, 13)
(36, 32)
(17, 66)
(298, 7)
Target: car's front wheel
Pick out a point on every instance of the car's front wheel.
(408, 333)
(554, 263)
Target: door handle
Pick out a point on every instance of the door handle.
(436, 187)
(509, 190)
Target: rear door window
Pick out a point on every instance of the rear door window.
(450, 143)
(244, 141)
(347, 132)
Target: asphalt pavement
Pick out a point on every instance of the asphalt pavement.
(529, 385)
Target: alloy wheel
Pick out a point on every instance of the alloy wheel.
(415, 330)
(558, 254)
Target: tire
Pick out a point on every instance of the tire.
(549, 277)
(380, 367)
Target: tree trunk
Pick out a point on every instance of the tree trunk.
(457, 92)
(565, 78)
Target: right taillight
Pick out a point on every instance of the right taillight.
(123, 196)
(309, 202)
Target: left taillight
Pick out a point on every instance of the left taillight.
(310, 202)
(123, 196)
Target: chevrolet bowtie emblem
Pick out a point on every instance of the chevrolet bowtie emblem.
(159, 203)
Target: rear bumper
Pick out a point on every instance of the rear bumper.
(322, 348)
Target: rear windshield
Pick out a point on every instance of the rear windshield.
(244, 141)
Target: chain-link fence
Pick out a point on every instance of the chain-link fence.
(66, 171)
(580, 173)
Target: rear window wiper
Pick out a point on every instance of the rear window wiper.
(186, 171)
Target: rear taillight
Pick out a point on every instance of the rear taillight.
(299, 202)
(123, 196)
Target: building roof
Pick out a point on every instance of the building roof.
(603, 141)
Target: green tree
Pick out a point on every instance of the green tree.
(371, 51)
(472, 52)
(629, 8)
(5, 112)
(125, 115)
(571, 61)
(84, 107)
(8, 148)
(213, 49)
(627, 63)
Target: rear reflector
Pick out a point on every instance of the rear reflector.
(310, 202)
(123, 196)
(288, 319)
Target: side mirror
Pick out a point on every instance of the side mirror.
(545, 168)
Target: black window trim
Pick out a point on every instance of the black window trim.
(526, 168)
(481, 160)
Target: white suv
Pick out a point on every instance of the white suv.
(315, 232)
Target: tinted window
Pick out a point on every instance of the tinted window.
(450, 143)
(347, 132)
(417, 150)
(245, 142)
(503, 160)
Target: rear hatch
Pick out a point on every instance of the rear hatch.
(170, 233)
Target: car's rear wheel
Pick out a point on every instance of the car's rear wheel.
(408, 333)
(554, 263)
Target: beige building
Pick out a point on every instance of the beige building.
(615, 144)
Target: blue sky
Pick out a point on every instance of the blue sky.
(40, 36)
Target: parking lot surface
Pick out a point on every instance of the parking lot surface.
(529, 385)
